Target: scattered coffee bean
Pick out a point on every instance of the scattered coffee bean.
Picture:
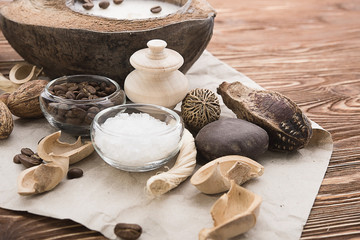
(28, 161)
(118, 1)
(74, 173)
(104, 4)
(156, 9)
(36, 156)
(16, 159)
(128, 231)
(27, 151)
(88, 6)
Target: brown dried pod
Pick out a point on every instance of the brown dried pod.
(4, 97)
(6, 121)
(24, 101)
(287, 126)
(199, 108)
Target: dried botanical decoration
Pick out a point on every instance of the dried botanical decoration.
(288, 127)
(234, 213)
(200, 107)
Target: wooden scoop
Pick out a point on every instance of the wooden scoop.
(57, 155)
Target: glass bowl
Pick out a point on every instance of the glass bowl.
(137, 137)
(70, 103)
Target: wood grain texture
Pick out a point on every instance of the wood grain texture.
(308, 50)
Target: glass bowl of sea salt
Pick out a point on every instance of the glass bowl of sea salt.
(137, 137)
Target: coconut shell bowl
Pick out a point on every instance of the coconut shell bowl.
(66, 39)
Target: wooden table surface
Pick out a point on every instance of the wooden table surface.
(309, 50)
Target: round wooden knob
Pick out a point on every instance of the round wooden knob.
(156, 47)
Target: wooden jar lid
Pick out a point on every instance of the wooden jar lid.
(156, 58)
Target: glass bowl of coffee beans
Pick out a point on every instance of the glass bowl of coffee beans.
(70, 103)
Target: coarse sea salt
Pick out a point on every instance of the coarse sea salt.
(136, 139)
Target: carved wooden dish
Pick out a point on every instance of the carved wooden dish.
(49, 34)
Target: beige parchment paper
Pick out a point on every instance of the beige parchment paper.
(105, 196)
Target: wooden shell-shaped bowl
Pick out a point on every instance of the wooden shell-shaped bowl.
(49, 34)
(216, 176)
(234, 213)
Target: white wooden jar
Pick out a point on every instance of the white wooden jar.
(156, 78)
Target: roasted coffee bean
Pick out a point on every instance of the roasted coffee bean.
(89, 118)
(73, 87)
(92, 97)
(70, 95)
(36, 156)
(76, 113)
(88, 6)
(75, 173)
(102, 94)
(90, 89)
(16, 159)
(128, 231)
(81, 95)
(29, 161)
(73, 121)
(118, 1)
(27, 151)
(60, 93)
(103, 86)
(156, 9)
(93, 83)
(60, 87)
(93, 110)
(104, 4)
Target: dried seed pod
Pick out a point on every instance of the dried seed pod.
(6, 121)
(287, 126)
(215, 176)
(234, 213)
(4, 97)
(24, 101)
(200, 107)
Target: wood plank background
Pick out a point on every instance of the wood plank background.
(308, 50)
